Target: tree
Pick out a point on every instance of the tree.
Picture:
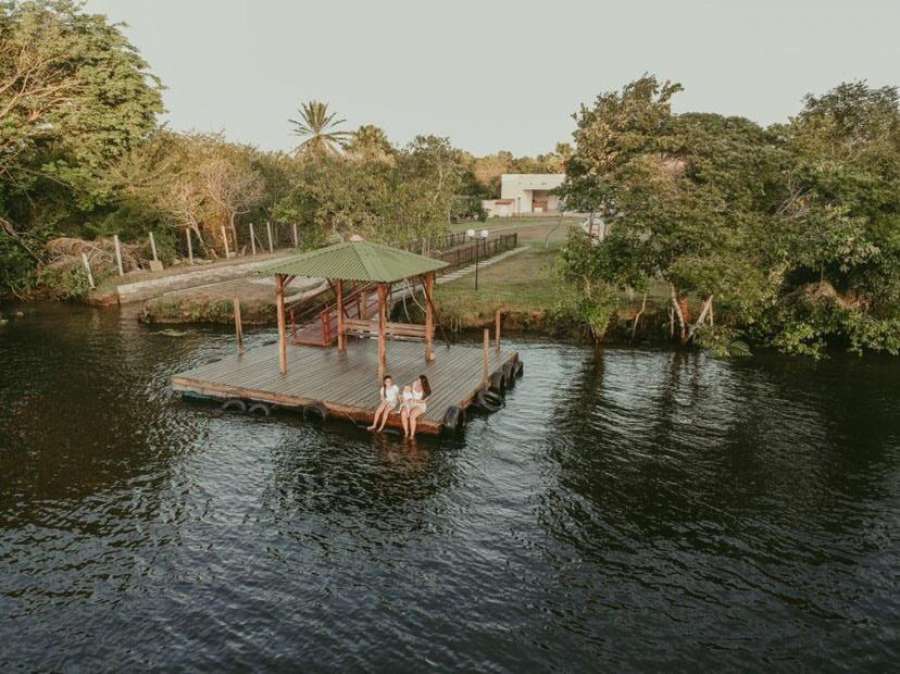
(489, 169)
(370, 143)
(318, 128)
(681, 195)
(233, 185)
(837, 239)
(75, 96)
(792, 231)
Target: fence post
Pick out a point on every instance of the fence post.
(87, 267)
(238, 326)
(294, 230)
(487, 341)
(187, 234)
(252, 240)
(269, 230)
(118, 254)
(225, 239)
(155, 265)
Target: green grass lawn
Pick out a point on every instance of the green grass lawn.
(533, 229)
(524, 283)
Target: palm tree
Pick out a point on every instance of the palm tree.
(318, 128)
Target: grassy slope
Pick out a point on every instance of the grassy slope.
(524, 286)
(523, 282)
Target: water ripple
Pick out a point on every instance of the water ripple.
(638, 509)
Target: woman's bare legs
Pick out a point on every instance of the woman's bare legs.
(404, 419)
(387, 412)
(381, 408)
(413, 415)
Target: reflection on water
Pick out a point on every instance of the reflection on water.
(629, 508)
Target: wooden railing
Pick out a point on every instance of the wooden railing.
(462, 256)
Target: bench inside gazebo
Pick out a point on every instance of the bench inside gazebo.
(344, 381)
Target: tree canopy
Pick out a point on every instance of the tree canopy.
(792, 231)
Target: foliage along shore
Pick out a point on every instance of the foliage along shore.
(789, 236)
(785, 236)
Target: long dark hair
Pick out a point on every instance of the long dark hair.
(426, 387)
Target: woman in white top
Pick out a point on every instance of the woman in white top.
(390, 401)
(414, 404)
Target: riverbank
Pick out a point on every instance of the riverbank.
(214, 303)
(534, 300)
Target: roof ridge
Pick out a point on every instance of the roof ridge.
(366, 260)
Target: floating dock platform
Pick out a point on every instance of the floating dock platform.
(345, 383)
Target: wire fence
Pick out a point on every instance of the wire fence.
(250, 239)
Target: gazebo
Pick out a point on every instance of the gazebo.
(364, 263)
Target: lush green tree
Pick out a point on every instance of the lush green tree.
(791, 231)
(370, 143)
(75, 96)
(836, 239)
(413, 195)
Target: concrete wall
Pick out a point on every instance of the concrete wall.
(521, 187)
(498, 208)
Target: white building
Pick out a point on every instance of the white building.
(525, 194)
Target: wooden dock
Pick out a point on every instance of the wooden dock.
(346, 382)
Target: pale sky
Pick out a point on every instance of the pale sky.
(494, 74)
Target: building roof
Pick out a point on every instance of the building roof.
(356, 261)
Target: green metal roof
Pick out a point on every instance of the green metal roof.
(356, 261)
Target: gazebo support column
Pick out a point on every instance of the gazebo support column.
(339, 291)
(382, 320)
(282, 333)
(429, 317)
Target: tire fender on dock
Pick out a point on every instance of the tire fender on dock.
(260, 408)
(316, 412)
(454, 419)
(509, 374)
(234, 405)
(498, 382)
(488, 401)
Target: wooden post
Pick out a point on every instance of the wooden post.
(187, 233)
(497, 331)
(382, 319)
(155, 264)
(225, 239)
(269, 229)
(364, 304)
(87, 268)
(238, 327)
(252, 240)
(119, 254)
(486, 375)
(296, 238)
(339, 290)
(282, 336)
(429, 317)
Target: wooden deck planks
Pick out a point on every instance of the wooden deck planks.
(345, 380)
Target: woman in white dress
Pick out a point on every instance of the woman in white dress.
(390, 401)
(414, 404)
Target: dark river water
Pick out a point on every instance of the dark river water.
(633, 510)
